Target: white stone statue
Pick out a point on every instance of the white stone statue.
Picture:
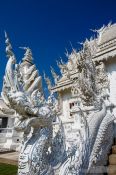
(22, 92)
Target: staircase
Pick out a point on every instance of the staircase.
(112, 161)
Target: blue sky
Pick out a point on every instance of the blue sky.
(48, 27)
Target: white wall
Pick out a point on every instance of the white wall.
(66, 95)
(111, 69)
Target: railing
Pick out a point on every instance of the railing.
(6, 130)
(5, 133)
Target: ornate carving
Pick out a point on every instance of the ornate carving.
(55, 76)
(63, 67)
(41, 153)
(34, 114)
(48, 82)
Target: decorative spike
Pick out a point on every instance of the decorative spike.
(48, 82)
(98, 30)
(28, 54)
(8, 47)
(62, 61)
(58, 64)
(74, 51)
(86, 48)
(86, 43)
(55, 76)
(71, 45)
(109, 24)
(66, 53)
(53, 72)
(62, 66)
(81, 43)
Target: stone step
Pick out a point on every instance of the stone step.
(114, 149)
(112, 159)
(112, 170)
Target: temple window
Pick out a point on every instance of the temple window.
(71, 105)
(76, 103)
(4, 122)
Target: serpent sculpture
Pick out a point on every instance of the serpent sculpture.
(41, 153)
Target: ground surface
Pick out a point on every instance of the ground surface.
(6, 169)
(9, 158)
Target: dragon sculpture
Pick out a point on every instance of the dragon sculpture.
(22, 92)
(41, 153)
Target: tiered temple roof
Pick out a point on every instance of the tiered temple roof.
(102, 48)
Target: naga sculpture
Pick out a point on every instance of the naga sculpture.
(96, 130)
(22, 92)
(42, 153)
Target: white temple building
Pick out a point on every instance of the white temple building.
(103, 51)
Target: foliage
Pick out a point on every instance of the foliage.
(6, 169)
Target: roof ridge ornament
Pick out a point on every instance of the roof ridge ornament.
(55, 76)
(103, 29)
(48, 82)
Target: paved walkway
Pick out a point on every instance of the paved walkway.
(9, 158)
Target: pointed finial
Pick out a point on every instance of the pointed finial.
(86, 44)
(44, 75)
(66, 53)
(5, 34)
(71, 44)
(74, 51)
(109, 24)
(61, 65)
(80, 43)
(62, 61)
(57, 62)
(28, 54)
(98, 31)
(48, 82)
(55, 76)
(8, 47)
